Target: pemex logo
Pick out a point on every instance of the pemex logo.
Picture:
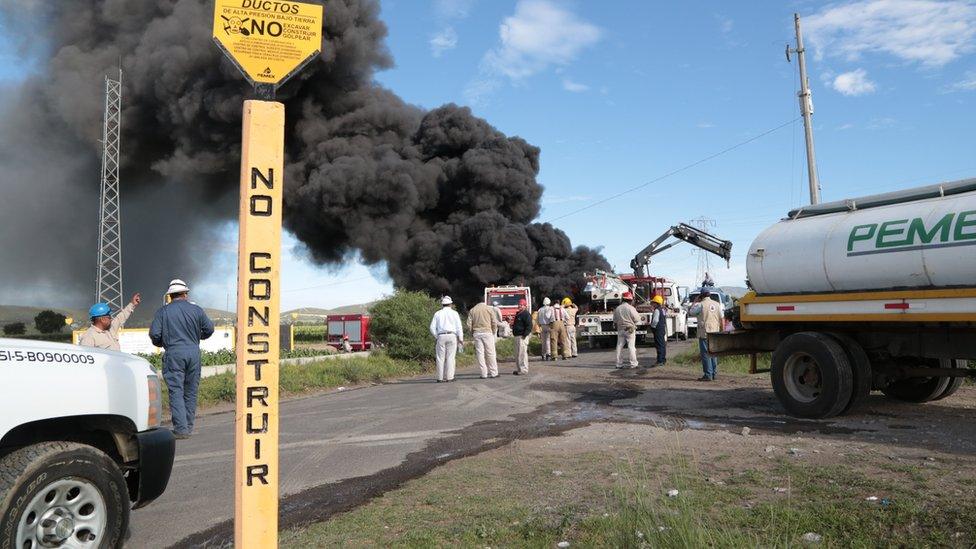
(903, 235)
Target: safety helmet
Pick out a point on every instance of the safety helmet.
(446, 300)
(523, 303)
(658, 299)
(99, 309)
(546, 301)
(627, 296)
(177, 286)
(494, 303)
(567, 301)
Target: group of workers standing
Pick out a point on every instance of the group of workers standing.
(556, 326)
(177, 327)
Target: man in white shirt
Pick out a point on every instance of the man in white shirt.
(544, 319)
(447, 330)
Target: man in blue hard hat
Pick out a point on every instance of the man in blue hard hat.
(178, 328)
(104, 330)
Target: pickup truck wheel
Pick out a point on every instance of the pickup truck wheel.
(62, 494)
(812, 376)
(954, 383)
(861, 367)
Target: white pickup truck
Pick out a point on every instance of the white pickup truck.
(80, 444)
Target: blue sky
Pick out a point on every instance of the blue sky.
(617, 94)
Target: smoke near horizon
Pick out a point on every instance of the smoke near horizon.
(442, 197)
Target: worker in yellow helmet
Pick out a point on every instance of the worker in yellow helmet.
(571, 310)
(659, 326)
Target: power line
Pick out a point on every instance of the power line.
(675, 172)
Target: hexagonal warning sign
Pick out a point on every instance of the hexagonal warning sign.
(268, 40)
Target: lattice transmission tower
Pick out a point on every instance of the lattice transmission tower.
(108, 288)
(704, 266)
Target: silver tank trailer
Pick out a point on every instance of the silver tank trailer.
(921, 238)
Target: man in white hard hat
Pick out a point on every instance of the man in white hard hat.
(483, 323)
(544, 318)
(447, 330)
(626, 318)
(178, 328)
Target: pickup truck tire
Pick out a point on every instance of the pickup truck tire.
(861, 367)
(812, 376)
(72, 493)
(920, 389)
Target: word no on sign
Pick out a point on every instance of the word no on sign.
(268, 40)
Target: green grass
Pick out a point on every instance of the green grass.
(298, 379)
(310, 333)
(737, 364)
(222, 357)
(600, 501)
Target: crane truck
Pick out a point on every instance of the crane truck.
(864, 294)
(605, 290)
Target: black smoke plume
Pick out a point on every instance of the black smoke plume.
(445, 199)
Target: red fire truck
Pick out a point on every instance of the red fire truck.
(508, 298)
(355, 327)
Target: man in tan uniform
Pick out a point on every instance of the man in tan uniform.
(104, 330)
(558, 343)
(483, 323)
(626, 318)
(571, 310)
(709, 322)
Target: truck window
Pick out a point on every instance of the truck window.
(505, 300)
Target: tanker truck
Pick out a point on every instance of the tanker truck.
(873, 293)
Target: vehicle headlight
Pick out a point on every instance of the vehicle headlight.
(155, 401)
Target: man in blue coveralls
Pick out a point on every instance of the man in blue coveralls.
(178, 328)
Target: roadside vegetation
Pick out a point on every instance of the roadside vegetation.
(738, 364)
(598, 499)
(399, 323)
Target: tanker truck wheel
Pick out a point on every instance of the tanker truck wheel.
(922, 389)
(812, 376)
(954, 383)
(861, 368)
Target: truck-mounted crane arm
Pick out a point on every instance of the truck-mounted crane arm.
(686, 233)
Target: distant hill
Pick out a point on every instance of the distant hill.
(17, 313)
(143, 315)
(316, 315)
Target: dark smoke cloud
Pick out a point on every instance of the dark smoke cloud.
(445, 199)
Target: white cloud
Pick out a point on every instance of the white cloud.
(855, 82)
(540, 34)
(453, 9)
(845, 126)
(443, 40)
(704, 125)
(928, 32)
(574, 87)
(968, 83)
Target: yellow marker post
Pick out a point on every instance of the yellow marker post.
(259, 266)
(269, 42)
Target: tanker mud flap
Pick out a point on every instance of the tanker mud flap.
(743, 342)
(157, 449)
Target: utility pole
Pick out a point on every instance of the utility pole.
(806, 109)
(108, 286)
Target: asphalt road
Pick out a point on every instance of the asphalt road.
(342, 448)
(328, 437)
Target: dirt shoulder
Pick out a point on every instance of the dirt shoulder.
(604, 475)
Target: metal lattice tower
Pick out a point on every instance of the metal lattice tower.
(704, 266)
(108, 288)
